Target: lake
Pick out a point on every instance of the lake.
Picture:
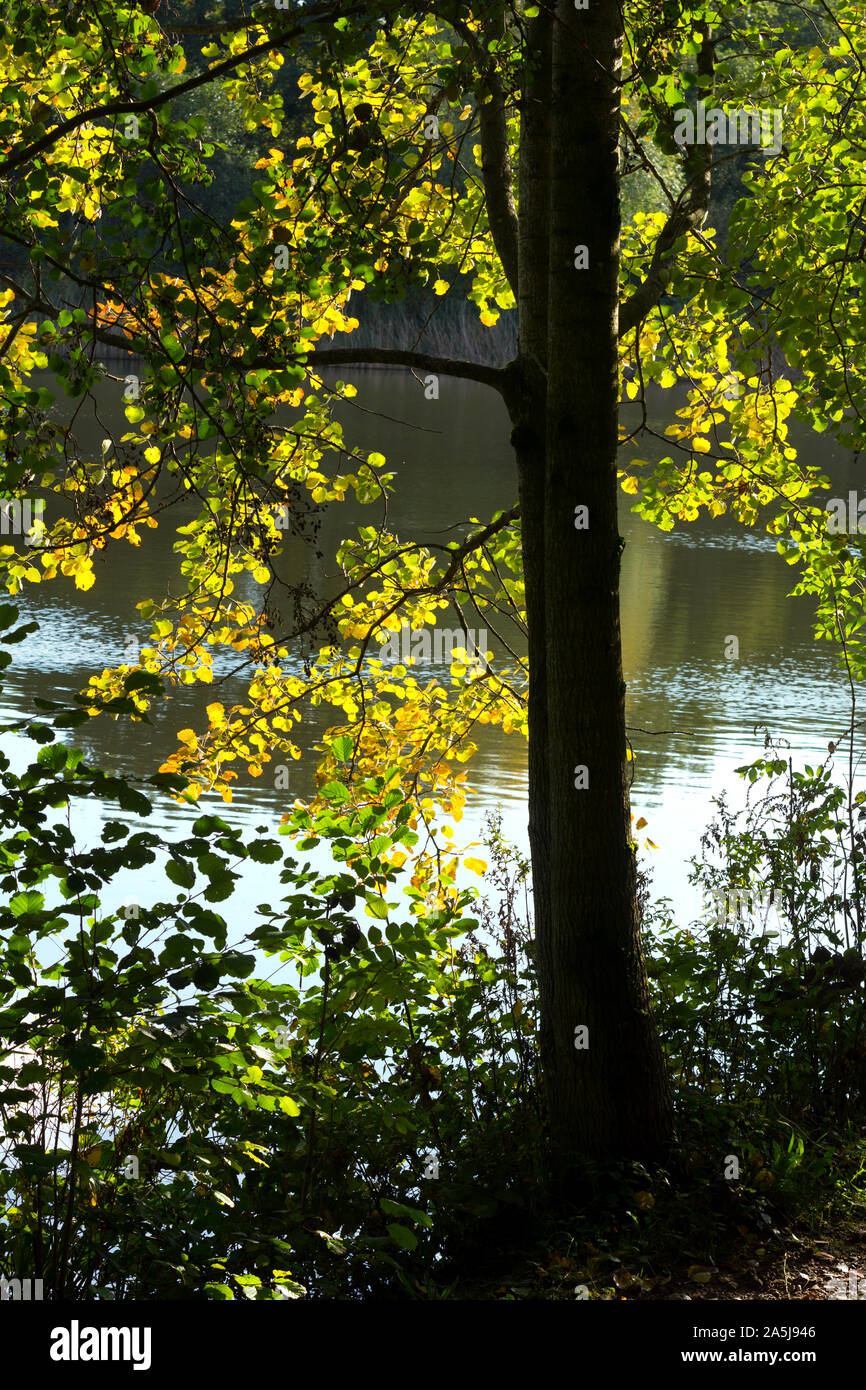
(691, 711)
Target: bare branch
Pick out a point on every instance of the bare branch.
(397, 357)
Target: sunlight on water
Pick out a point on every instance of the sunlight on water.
(692, 711)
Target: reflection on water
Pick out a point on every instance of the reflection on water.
(692, 711)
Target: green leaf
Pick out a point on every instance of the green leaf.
(265, 851)
(53, 758)
(206, 825)
(181, 874)
(28, 901)
(335, 791)
(143, 680)
(207, 976)
(238, 965)
(131, 800)
(8, 615)
(403, 1237)
(376, 906)
(391, 1208)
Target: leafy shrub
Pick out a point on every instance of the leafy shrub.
(763, 999)
(177, 1123)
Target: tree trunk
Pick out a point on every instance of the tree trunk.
(527, 403)
(609, 1097)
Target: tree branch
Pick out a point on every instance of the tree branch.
(496, 168)
(470, 543)
(397, 357)
(687, 213)
(496, 377)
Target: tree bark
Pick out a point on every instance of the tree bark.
(527, 406)
(609, 1098)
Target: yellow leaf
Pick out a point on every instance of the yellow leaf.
(701, 445)
(152, 454)
(478, 866)
(640, 824)
(441, 287)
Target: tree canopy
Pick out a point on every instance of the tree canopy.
(401, 150)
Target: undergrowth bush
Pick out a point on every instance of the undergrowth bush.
(343, 1098)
